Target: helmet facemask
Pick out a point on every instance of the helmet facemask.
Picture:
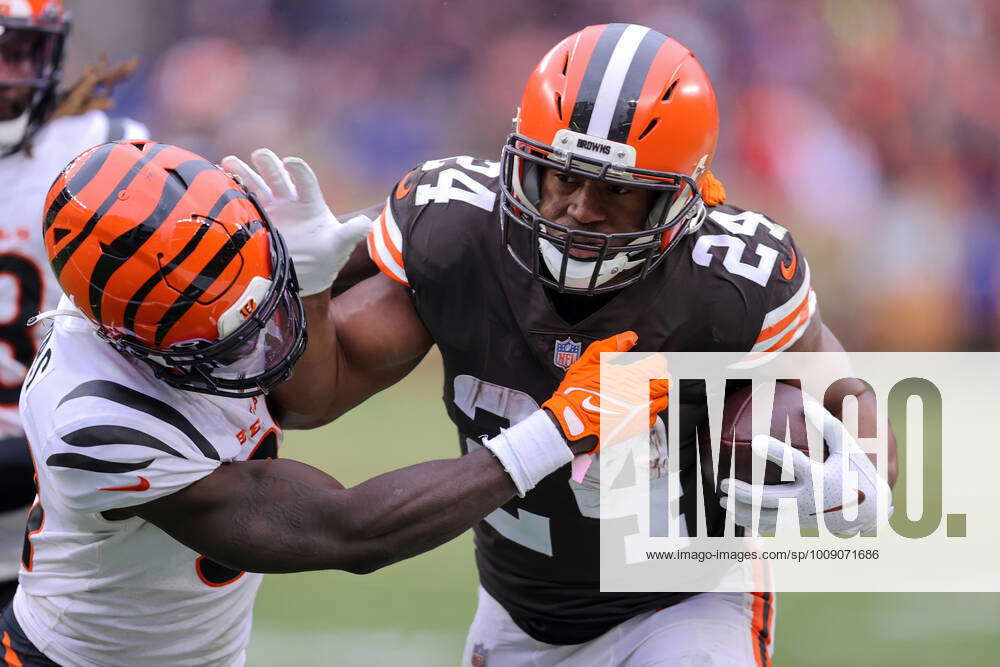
(542, 246)
(28, 100)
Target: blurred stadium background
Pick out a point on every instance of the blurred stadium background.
(869, 128)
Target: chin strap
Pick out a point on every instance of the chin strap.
(52, 314)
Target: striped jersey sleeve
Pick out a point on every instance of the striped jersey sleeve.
(385, 245)
(458, 195)
(114, 446)
(790, 304)
(789, 317)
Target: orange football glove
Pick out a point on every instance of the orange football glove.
(576, 403)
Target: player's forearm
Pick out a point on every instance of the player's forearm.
(406, 512)
(867, 417)
(285, 516)
(361, 342)
(409, 511)
(867, 414)
(295, 520)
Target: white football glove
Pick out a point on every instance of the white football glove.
(290, 194)
(871, 495)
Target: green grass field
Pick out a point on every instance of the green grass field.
(417, 612)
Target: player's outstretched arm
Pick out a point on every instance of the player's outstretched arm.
(359, 343)
(285, 516)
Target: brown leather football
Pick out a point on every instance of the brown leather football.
(787, 424)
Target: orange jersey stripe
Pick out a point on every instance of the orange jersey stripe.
(9, 657)
(762, 620)
(760, 634)
(373, 253)
(803, 316)
(393, 250)
(775, 329)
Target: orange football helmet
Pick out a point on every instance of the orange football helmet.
(176, 264)
(624, 104)
(32, 36)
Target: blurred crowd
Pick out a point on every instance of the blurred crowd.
(869, 128)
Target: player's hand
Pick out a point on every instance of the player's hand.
(290, 194)
(576, 403)
(867, 498)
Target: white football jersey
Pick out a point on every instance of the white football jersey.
(106, 434)
(26, 282)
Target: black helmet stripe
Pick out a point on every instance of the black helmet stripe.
(206, 277)
(115, 254)
(132, 309)
(59, 261)
(583, 107)
(87, 172)
(635, 78)
(137, 299)
(613, 79)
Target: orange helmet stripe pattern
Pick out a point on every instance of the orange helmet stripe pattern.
(95, 247)
(141, 295)
(176, 265)
(629, 84)
(210, 276)
(121, 249)
(120, 159)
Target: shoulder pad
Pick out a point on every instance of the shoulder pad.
(775, 275)
(468, 183)
(109, 439)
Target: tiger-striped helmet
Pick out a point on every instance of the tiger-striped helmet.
(32, 35)
(629, 106)
(176, 264)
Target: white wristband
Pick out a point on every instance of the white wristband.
(530, 450)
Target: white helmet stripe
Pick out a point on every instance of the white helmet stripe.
(613, 79)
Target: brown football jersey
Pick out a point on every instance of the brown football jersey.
(737, 283)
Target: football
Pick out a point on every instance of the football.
(787, 423)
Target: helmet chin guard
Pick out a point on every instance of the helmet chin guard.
(580, 272)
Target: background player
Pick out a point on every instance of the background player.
(512, 268)
(159, 486)
(41, 129)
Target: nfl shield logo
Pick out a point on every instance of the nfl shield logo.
(479, 654)
(567, 352)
